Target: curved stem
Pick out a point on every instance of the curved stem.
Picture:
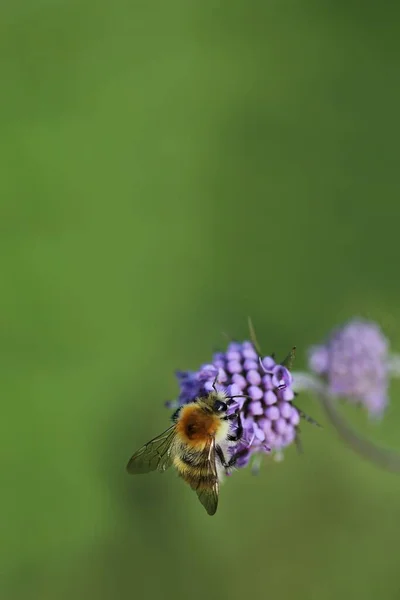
(381, 457)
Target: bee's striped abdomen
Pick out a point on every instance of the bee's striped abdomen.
(194, 469)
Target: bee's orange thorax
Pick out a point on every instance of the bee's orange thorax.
(196, 426)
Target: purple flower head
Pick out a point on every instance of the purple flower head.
(354, 364)
(264, 393)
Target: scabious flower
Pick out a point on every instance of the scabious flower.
(354, 363)
(263, 401)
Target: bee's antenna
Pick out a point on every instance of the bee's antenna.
(240, 396)
(214, 382)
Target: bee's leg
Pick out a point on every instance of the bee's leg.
(232, 462)
(222, 458)
(215, 381)
(235, 437)
(226, 464)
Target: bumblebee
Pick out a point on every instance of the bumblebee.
(196, 445)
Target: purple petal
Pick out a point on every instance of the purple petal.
(209, 386)
(270, 398)
(318, 359)
(248, 351)
(234, 367)
(233, 356)
(267, 382)
(250, 364)
(281, 377)
(268, 363)
(240, 381)
(255, 392)
(287, 394)
(280, 426)
(270, 438)
(272, 412)
(259, 433)
(207, 372)
(265, 424)
(285, 409)
(289, 436)
(181, 375)
(233, 407)
(256, 408)
(220, 364)
(243, 458)
(253, 377)
(248, 422)
(278, 442)
(376, 404)
(234, 390)
(234, 347)
(295, 417)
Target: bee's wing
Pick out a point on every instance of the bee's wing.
(156, 454)
(208, 496)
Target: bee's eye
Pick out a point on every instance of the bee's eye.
(220, 406)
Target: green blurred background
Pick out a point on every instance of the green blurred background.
(168, 168)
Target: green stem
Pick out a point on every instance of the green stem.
(382, 457)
